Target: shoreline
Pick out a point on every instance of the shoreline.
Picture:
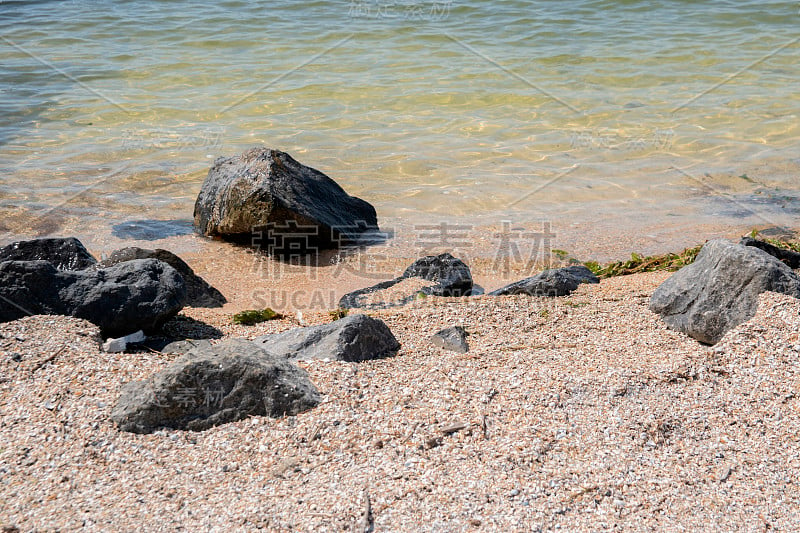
(251, 280)
(497, 255)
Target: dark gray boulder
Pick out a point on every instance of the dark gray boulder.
(185, 346)
(353, 338)
(449, 276)
(198, 292)
(140, 294)
(294, 208)
(64, 253)
(553, 282)
(214, 385)
(789, 257)
(453, 339)
(720, 289)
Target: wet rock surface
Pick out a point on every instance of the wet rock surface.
(292, 208)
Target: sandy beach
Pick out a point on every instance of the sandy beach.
(578, 413)
(156, 157)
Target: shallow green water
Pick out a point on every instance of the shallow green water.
(626, 114)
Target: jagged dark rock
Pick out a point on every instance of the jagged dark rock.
(212, 385)
(140, 294)
(553, 282)
(453, 339)
(352, 338)
(292, 208)
(720, 289)
(198, 292)
(449, 276)
(64, 253)
(789, 257)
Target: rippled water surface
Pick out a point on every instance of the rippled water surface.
(632, 114)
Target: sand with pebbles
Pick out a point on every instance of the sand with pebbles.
(578, 413)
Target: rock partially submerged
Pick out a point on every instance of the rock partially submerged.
(453, 339)
(448, 275)
(214, 385)
(293, 208)
(198, 292)
(720, 289)
(64, 253)
(140, 294)
(353, 338)
(553, 282)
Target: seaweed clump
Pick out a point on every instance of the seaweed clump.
(254, 316)
(637, 263)
(669, 262)
(336, 314)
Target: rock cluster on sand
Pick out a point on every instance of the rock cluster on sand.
(134, 289)
(213, 385)
(448, 275)
(353, 338)
(720, 289)
(553, 282)
(293, 208)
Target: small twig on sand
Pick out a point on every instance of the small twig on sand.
(48, 359)
(367, 522)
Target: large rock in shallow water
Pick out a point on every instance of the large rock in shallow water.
(198, 292)
(212, 385)
(140, 294)
(720, 289)
(294, 206)
(64, 253)
(553, 282)
(448, 276)
(353, 338)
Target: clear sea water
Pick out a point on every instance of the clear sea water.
(632, 115)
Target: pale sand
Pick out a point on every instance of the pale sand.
(581, 413)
